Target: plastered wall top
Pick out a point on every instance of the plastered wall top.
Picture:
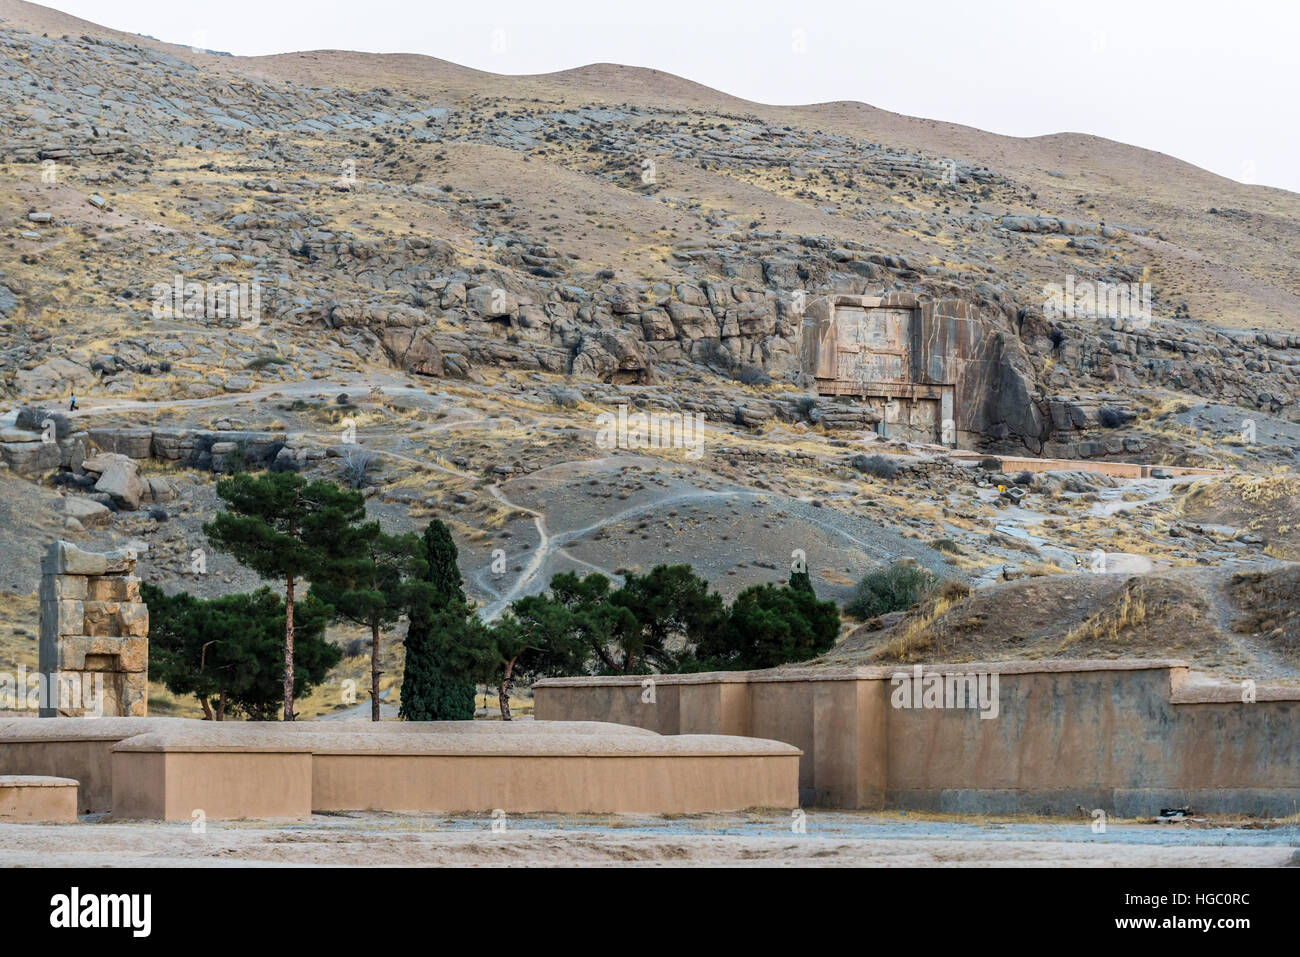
(269, 739)
(878, 673)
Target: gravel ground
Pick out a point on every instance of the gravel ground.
(829, 839)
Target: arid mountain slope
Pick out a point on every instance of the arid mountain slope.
(1235, 265)
(431, 283)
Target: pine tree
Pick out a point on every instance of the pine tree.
(439, 639)
(540, 636)
(771, 625)
(373, 583)
(284, 528)
(226, 651)
(673, 610)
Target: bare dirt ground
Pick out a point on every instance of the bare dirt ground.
(764, 839)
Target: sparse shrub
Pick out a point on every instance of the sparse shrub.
(1129, 612)
(921, 635)
(952, 591)
(753, 375)
(991, 464)
(566, 398)
(357, 466)
(878, 466)
(804, 405)
(342, 399)
(895, 587)
(234, 461)
(771, 625)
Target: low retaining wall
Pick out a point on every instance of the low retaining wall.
(172, 776)
(1129, 737)
(77, 748)
(33, 798)
(554, 773)
(82, 749)
(169, 768)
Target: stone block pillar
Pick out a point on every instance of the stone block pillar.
(94, 645)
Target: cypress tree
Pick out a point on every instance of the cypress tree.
(434, 686)
(802, 581)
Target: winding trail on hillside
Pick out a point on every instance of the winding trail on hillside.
(549, 544)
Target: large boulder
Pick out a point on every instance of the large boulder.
(71, 560)
(88, 513)
(656, 325)
(491, 302)
(413, 350)
(31, 458)
(133, 443)
(613, 355)
(119, 477)
(53, 377)
(33, 418)
(176, 444)
(161, 490)
(692, 321)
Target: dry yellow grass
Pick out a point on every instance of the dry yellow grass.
(1108, 624)
(918, 635)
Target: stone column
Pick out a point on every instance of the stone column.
(94, 646)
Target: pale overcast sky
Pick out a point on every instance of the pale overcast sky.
(1213, 83)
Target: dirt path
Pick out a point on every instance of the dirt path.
(1265, 662)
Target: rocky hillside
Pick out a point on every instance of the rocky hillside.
(278, 260)
(439, 218)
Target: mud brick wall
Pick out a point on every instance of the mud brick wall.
(1127, 736)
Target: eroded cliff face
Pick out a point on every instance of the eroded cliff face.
(1002, 395)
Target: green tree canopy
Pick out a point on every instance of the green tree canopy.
(673, 610)
(539, 636)
(606, 630)
(228, 651)
(285, 529)
(373, 582)
(770, 625)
